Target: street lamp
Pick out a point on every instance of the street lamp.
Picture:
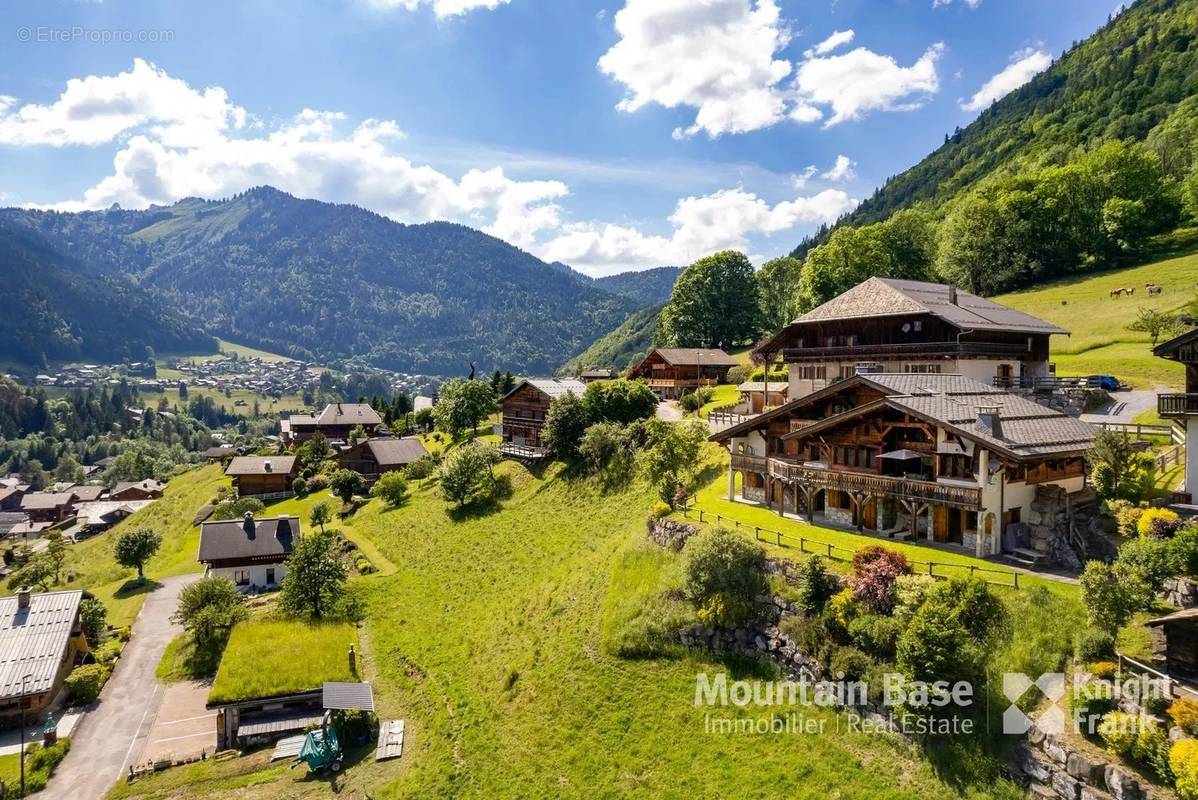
(24, 678)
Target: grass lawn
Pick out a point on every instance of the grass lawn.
(498, 640)
(91, 565)
(1099, 342)
(272, 658)
(722, 395)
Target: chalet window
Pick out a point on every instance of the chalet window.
(241, 577)
(917, 325)
(838, 455)
(956, 466)
(812, 373)
(851, 457)
(924, 369)
(867, 458)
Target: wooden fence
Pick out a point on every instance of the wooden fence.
(1170, 457)
(809, 544)
(1175, 687)
(1142, 430)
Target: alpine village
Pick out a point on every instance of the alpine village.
(307, 499)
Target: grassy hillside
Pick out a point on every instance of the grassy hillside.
(620, 348)
(498, 639)
(1100, 342)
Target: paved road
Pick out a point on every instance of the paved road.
(113, 733)
(669, 410)
(1125, 406)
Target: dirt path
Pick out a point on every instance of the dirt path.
(112, 734)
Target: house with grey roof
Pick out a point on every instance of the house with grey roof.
(250, 552)
(940, 457)
(263, 476)
(41, 640)
(372, 457)
(892, 325)
(523, 413)
(334, 422)
(673, 371)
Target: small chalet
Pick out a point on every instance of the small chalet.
(85, 493)
(250, 552)
(942, 457)
(220, 453)
(10, 498)
(592, 375)
(100, 515)
(757, 396)
(890, 325)
(373, 457)
(148, 489)
(41, 641)
(524, 409)
(256, 476)
(335, 422)
(1182, 407)
(674, 371)
(47, 507)
(1175, 644)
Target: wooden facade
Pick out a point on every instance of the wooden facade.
(252, 485)
(524, 413)
(672, 372)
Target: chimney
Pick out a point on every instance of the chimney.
(989, 418)
(24, 594)
(266, 465)
(952, 294)
(248, 524)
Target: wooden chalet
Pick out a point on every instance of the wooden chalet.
(1183, 406)
(890, 325)
(523, 412)
(592, 375)
(263, 476)
(942, 457)
(148, 489)
(250, 552)
(674, 371)
(41, 641)
(372, 457)
(48, 507)
(334, 423)
(10, 497)
(757, 396)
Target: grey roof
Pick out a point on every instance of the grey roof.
(553, 387)
(396, 451)
(348, 414)
(261, 465)
(279, 722)
(97, 512)
(779, 385)
(149, 485)
(220, 452)
(33, 640)
(881, 297)
(229, 539)
(595, 373)
(1027, 429)
(692, 356)
(86, 494)
(8, 519)
(7, 491)
(343, 695)
(43, 500)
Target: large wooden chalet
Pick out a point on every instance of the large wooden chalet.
(942, 457)
(263, 476)
(334, 423)
(890, 325)
(372, 457)
(524, 409)
(1183, 406)
(674, 371)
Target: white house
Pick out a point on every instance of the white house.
(251, 552)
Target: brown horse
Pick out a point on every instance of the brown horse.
(1116, 292)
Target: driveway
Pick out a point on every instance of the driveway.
(1124, 406)
(113, 732)
(669, 410)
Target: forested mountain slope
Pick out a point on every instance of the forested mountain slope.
(322, 281)
(620, 348)
(648, 287)
(1124, 80)
(54, 309)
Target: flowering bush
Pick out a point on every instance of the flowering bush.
(875, 571)
(1183, 760)
(1103, 670)
(1118, 731)
(910, 591)
(1146, 524)
(1184, 713)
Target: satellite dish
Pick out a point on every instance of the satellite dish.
(906, 327)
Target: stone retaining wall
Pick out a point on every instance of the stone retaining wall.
(1181, 592)
(1052, 769)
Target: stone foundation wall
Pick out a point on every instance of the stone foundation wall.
(755, 494)
(1181, 592)
(1052, 769)
(839, 516)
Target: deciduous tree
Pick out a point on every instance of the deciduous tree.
(133, 548)
(714, 304)
(315, 577)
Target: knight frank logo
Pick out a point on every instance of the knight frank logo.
(1015, 685)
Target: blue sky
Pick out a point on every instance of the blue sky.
(612, 135)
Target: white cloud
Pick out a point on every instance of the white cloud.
(802, 178)
(443, 8)
(970, 3)
(95, 110)
(860, 81)
(834, 41)
(717, 57)
(842, 170)
(701, 225)
(1024, 66)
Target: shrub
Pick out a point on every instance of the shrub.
(1093, 644)
(724, 568)
(421, 468)
(1103, 670)
(300, 487)
(466, 475)
(1111, 595)
(1184, 713)
(661, 510)
(1183, 761)
(1119, 731)
(45, 759)
(1144, 526)
(1091, 702)
(875, 634)
(875, 570)
(107, 653)
(565, 423)
(317, 483)
(392, 487)
(842, 609)
(815, 584)
(1150, 559)
(850, 662)
(345, 483)
(1184, 548)
(84, 683)
(910, 591)
(1126, 517)
(1151, 748)
(236, 509)
(809, 635)
(973, 604)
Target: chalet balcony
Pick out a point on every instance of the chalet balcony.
(1177, 405)
(905, 488)
(671, 383)
(906, 350)
(749, 463)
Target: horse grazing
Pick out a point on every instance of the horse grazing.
(1131, 290)
(1153, 288)
(1116, 292)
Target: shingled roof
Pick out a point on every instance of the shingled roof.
(1027, 429)
(266, 539)
(693, 356)
(33, 640)
(389, 452)
(554, 387)
(882, 297)
(348, 414)
(40, 501)
(261, 465)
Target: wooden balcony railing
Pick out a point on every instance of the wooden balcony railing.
(1177, 405)
(966, 496)
(906, 349)
(669, 383)
(751, 463)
